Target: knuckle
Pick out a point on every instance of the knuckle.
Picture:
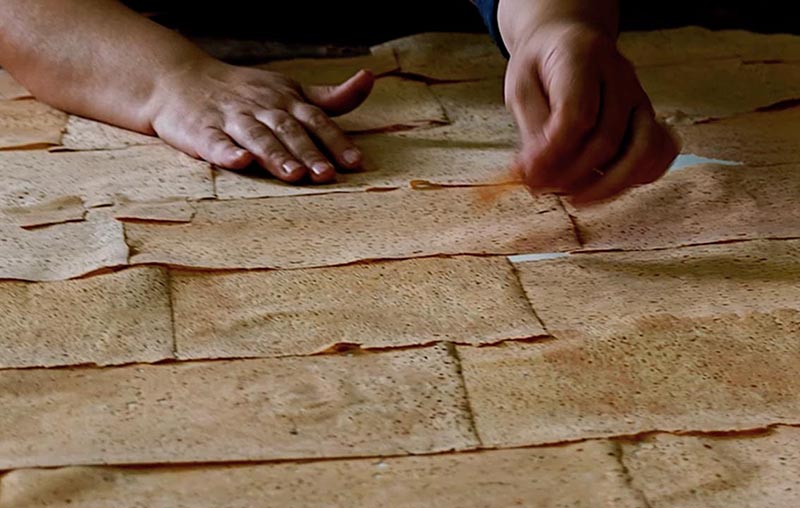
(317, 120)
(287, 127)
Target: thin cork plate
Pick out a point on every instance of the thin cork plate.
(380, 305)
(81, 322)
(396, 403)
(334, 229)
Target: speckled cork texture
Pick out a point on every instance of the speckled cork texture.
(31, 178)
(332, 71)
(584, 475)
(693, 44)
(84, 134)
(764, 138)
(10, 89)
(29, 124)
(758, 471)
(61, 251)
(477, 115)
(719, 88)
(720, 281)
(177, 336)
(394, 304)
(290, 408)
(122, 317)
(702, 204)
(391, 161)
(394, 103)
(469, 56)
(662, 373)
(343, 228)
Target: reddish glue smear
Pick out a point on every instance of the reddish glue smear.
(508, 180)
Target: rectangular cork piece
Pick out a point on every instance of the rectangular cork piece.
(391, 161)
(392, 403)
(721, 281)
(28, 124)
(662, 373)
(760, 470)
(145, 173)
(583, 475)
(379, 305)
(61, 251)
(333, 229)
(116, 318)
(700, 204)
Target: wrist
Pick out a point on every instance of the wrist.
(520, 20)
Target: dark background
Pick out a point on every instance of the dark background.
(242, 30)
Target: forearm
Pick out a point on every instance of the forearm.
(91, 57)
(518, 19)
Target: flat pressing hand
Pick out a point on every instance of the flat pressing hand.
(231, 116)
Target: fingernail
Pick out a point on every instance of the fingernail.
(238, 154)
(320, 168)
(291, 166)
(351, 156)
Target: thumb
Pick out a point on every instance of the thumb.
(340, 99)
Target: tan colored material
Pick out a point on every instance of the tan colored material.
(585, 475)
(58, 211)
(10, 89)
(343, 228)
(448, 56)
(392, 304)
(164, 211)
(477, 114)
(85, 134)
(332, 71)
(759, 471)
(395, 103)
(148, 173)
(699, 204)
(695, 44)
(717, 281)
(391, 161)
(290, 408)
(109, 319)
(764, 138)
(29, 124)
(659, 373)
(718, 88)
(62, 251)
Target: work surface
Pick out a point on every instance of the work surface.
(172, 335)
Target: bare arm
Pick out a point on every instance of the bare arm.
(99, 59)
(96, 58)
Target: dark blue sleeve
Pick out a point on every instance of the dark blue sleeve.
(488, 10)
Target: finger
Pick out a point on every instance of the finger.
(315, 121)
(525, 98)
(671, 147)
(343, 98)
(574, 94)
(218, 148)
(605, 142)
(644, 155)
(259, 140)
(295, 138)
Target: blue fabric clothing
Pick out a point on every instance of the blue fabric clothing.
(488, 10)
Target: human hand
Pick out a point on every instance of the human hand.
(231, 116)
(586, 125)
